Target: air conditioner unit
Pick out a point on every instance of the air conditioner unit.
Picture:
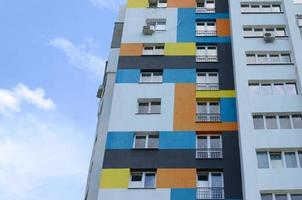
(147, 30)
(269, 37)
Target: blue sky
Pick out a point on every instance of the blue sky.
(52, 58)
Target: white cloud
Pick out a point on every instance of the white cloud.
(40, 157)
(107, 4)
(11, 100)
(81, 56)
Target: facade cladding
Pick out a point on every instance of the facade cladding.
(167, 127)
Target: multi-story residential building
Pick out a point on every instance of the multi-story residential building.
(167, 125)
(267, 46)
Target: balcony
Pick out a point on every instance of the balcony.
(206, 153)
(208, 117)
(207, 86)
(205, 10)
(206, 33)
(206, 58)
(210, 193)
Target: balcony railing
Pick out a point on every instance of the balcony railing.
(208, 117)
(205, 33)
(205, 10)
(206, 58)
(207, 86)
(206, 153)
(210, 193)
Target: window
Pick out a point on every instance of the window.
(262, 160)
(209, 146)
(156, 24)
(260, 8)
(208, 111)
(273, 88)
(282, 196)
(157, 3)
(205, 6)
(296, 196)
(210, 185)
(151, 76)
(300, 158)
(300, 20)
(264, 58)
(290, 160)
(206, 53)
(277, 121)
(146, 141)
(207, 81)
(149, 106)
(259, 31)
(153, 49)
(140, 179)
(276, 159)
(266, 197)
(258, 122)
(205, 28)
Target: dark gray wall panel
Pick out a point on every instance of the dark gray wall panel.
(222, 6)
(117, 35)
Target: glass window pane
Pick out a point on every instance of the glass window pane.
(280, 32)
(258, 32)
(251, 59)
(290, 88)
(266, 89)
(284, 121)
(202, 107)
(255, 88)
(215, 142)
(297, 121)
(276, 160)
(202, 142)
(276, 8)
(290, 159)
(258, 122)
(296, 196)
(217, 180)
(145, 77)
(150, 180)
(140, 141)
(136, 177)
(300, 158)
(262, 59)
(143, 107)
(214, 107)
(274, 58)
(278, 89)
(280, 197)
(271, 122)
(262, 160)
(266, 197)
(155, 107)
(285, 58)
(153, 141)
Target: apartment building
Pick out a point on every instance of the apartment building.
(167, 126)
(267, 46)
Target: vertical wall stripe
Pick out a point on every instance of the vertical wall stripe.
(228, 109)
(183, 194)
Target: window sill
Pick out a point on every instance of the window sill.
(208, 158)
(147, 113)
(263, 37)
(262, 12)
(150, 82)
(270, 64)
(144, 149)
(155, 55)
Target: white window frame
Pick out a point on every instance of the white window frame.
(209, 83)
(287, 193)
(299, 19)
(158, 3)
(149, 101)
(209, 152)
(253, 34)
(205, 30)
(206, 56)
(277, 118)
(209, 107)
(268, 55)
(250, 8)
(261, 92)
(147, 136)
(207, 8)
(155, 49)
(141, 184)
(155, 24)
(152, 77)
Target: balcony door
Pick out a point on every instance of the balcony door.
(210, 185)
(207, 81)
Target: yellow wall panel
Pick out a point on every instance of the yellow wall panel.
(137, 3)
(115, 178)
(215, 94)
(180, 49)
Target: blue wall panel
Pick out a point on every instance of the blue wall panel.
(183, 194)
(228, 110)
(127, 76)
(119, 140)
(179, 76)
(177, 140)
(186, 26)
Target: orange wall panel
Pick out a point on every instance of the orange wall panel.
(182, 3)
(185, 112)
(176, 178)
(131, 49)
(223, 27)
